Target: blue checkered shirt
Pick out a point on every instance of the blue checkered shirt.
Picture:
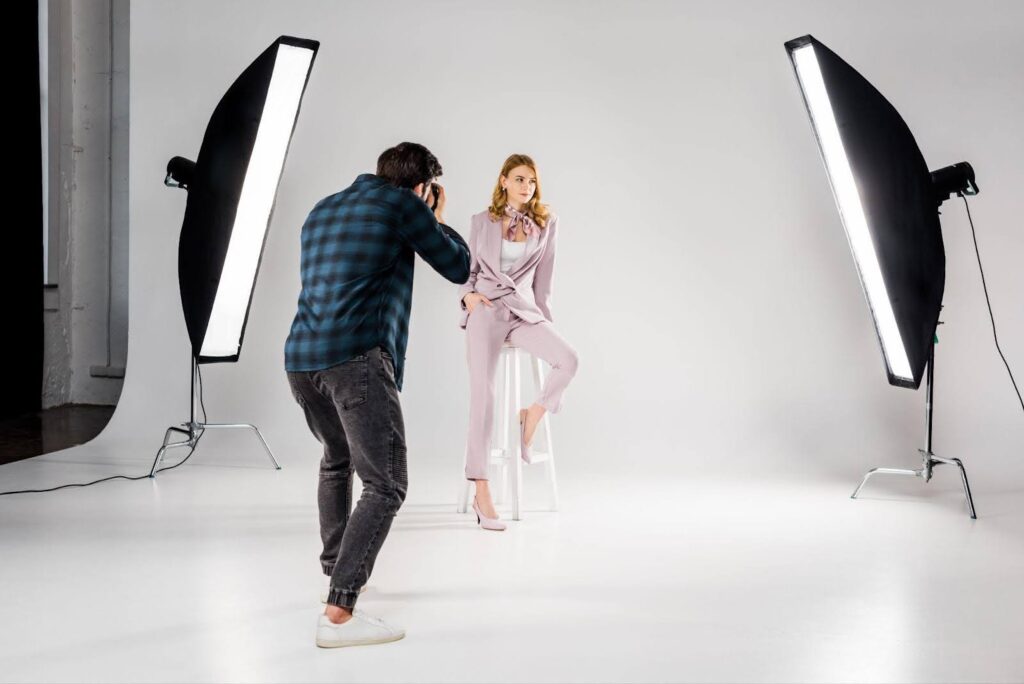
(358, 251)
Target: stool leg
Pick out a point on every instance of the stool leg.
(465, 490)
(538, 379)
(506, 399)
(538, 385)
(552, 480)
(517, 477)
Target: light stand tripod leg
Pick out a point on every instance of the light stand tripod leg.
(884, 471)
(963, 476)
(245, 426)
(164, 448)
(270, 454)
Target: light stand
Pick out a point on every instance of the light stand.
(194, 429)
(929, 459)
(888, 202)
(232, 187)
(957, 179)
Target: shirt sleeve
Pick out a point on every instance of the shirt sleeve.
(439, 245)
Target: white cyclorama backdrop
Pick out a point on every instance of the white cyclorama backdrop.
(702, 273)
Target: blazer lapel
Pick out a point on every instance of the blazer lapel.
(494, 246)
(490, 251)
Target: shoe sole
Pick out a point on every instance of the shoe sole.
(488, 529)
(366, 642)
(524, 448)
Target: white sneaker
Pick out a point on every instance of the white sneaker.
(361, 630)
(327, 590)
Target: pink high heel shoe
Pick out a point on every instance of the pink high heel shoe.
(487, 523)
(524, 448)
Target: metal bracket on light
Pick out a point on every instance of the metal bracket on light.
(180, 172)
(957, 179)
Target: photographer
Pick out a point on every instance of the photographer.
(345, 358)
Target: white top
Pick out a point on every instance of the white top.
(511, 252)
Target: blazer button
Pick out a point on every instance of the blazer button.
(500, 285)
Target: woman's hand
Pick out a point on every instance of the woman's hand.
(474, 298)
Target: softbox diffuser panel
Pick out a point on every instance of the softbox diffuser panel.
(232, 193)
(884, 192)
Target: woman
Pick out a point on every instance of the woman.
(507, 297)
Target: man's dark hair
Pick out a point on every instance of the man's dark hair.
(407, 165)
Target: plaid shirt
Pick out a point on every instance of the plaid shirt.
(358, 251)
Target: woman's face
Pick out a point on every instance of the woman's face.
(520, 185)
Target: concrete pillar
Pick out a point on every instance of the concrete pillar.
(86, 312)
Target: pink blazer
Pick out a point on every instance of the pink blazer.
(526, 288)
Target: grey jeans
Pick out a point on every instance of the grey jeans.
(353, 409)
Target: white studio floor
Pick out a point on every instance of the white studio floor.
(210, 574)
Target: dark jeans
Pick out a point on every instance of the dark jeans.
(353, 409)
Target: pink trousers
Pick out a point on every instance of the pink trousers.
(486, 331)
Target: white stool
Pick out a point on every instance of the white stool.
(505, 449)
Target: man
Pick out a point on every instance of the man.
(345, 358)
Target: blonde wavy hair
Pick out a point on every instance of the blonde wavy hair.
(534, 209)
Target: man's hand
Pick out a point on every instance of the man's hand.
(438, 207)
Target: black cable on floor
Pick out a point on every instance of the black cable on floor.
(126, 477)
